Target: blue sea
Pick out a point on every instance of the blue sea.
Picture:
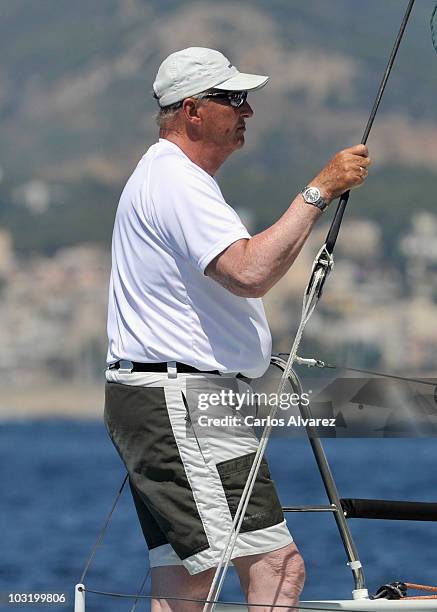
(59, 479)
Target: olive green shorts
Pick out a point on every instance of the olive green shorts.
(187, 480)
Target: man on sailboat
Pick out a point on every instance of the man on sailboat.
(185, 313)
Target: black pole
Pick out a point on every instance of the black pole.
(335, 225)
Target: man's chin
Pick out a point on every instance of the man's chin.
(237, 143)
(240, 141)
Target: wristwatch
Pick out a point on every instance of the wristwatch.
(312, 196)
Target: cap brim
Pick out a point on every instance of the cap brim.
(243, 82)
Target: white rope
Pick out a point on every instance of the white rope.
(322, 265)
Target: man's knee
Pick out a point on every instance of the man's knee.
(297, 569)
(281, 570)
(286, 561)
(287, 567)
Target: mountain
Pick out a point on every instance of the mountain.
(77, 112)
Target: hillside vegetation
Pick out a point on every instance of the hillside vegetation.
(76, 108)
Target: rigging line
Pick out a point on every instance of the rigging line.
(140, 591)
(320, 271)
(432, 24)
(335, 225)
(387, 72)
(102, 532)
(417, 380)
(322, 264)
(309, 303)
(323, 365)
(222, 603)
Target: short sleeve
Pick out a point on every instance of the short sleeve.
(191, 215)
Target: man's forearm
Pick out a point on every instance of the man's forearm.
(251, 267)
(269, 254)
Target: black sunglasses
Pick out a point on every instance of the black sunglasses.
(235, 98)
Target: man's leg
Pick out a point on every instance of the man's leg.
(275, 577)
(175, 581)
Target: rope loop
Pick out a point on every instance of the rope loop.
(398, 590)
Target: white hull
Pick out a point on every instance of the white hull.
(411, 605)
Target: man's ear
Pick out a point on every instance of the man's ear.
(190, 111)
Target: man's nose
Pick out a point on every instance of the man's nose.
(246, 110)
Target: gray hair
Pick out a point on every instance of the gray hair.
(167, 113)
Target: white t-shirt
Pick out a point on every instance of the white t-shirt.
(172, 220)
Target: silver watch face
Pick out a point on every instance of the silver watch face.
(312, 195)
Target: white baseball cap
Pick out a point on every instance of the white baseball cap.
(196, 69)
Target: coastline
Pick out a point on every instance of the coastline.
(63, 400)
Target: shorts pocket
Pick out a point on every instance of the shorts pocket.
(264, 508)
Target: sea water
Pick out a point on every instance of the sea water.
(59, 479)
